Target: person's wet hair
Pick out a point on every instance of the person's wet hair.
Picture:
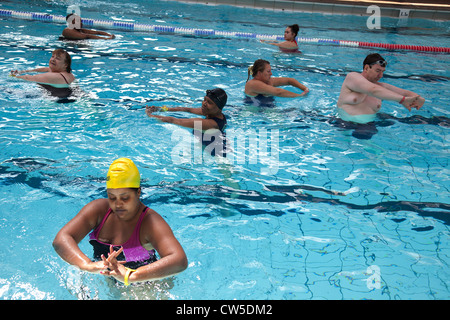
(258, 66)
(294, 28)
(67, 58)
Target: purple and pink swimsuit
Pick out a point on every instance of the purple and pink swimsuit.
(133, 253)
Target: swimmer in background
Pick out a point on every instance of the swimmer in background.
(73, 33)
(124, 233)
(289, 44)
(264, 85)
(361, 93)
(212, 126)
(56, 78)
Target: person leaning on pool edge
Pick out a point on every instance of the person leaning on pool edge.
(123, 232)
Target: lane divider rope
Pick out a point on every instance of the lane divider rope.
(119, 25)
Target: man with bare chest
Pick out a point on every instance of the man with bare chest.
(361, 93)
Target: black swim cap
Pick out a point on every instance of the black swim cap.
(372, 58)
(218, 96)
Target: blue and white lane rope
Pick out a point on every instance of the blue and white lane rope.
(110, 24)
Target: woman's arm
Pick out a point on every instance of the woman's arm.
(83, 34)
(67, 239)
(173, 258)
(47, 77)
(151, 109)
(197, 111)
(17, 72)
(255, 87)
(283, 81)
(92, 34)
(283, 44)
(193, 123)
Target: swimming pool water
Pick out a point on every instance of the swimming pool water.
(331, 215)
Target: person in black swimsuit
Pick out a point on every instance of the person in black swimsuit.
(210, 130)
(56, 78)
(58, 91)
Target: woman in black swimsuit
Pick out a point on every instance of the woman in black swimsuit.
(56, 78)
(210, 130)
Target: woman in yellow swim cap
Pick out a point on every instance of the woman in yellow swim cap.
(123, 232)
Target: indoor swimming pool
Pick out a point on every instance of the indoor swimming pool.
(306, 208)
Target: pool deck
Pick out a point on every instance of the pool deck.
(434, 10)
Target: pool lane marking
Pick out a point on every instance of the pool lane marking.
(120, 25)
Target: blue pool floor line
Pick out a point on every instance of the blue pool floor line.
(130, 26)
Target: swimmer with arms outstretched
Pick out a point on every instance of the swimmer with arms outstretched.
(58, 71)
(211, 108)
(124, 233)
(73, 33)
(263, 83)
(361, 93)
(213, 125)
(56, 78)
(289, 44)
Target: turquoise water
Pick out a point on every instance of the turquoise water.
(327, 214)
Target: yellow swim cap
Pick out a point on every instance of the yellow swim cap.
(123, 173)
